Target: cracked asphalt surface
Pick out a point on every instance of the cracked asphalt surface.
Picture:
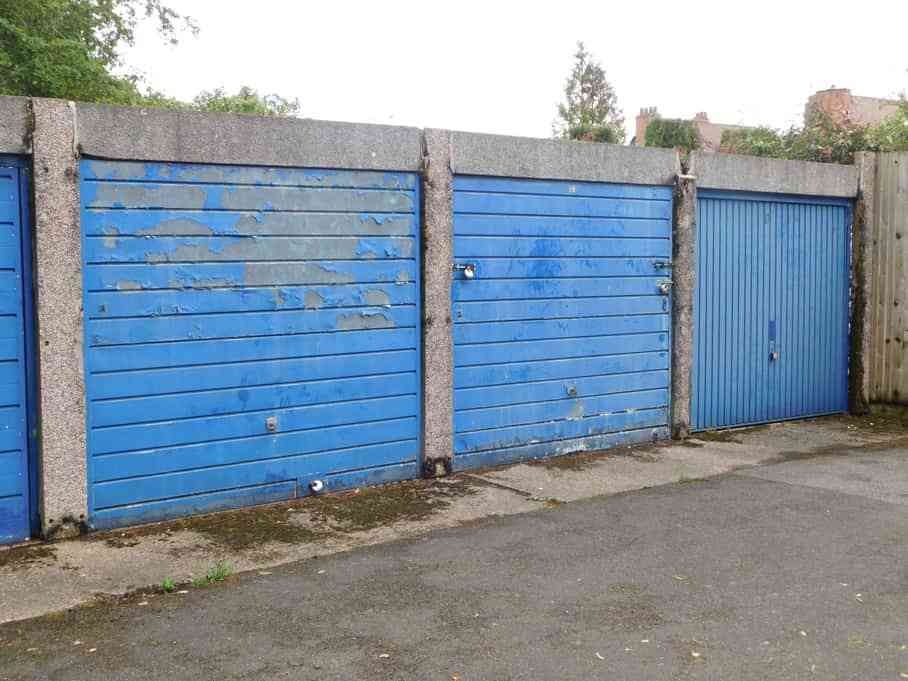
(792, 571)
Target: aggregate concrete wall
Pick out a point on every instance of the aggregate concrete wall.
(755, 174)
(188, 137)
(684, 276)
(525, 157)
(862, 254)
(438, 342)
(58, 277)
(14, 125)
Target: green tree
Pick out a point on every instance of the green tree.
(821, 139)
(590, 109)
(72, 49)
(672, 133)
(892, 133)
(247, 101)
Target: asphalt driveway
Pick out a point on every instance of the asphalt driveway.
(797, 570)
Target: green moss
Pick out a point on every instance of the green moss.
(372, 507)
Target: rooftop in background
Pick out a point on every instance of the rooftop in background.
(846, 108)
(710, 133)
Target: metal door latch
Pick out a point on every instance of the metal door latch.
(468, 269)
(774, 356)
(662, 264)
(665, 286)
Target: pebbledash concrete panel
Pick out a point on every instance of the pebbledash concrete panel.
(14, 132)
(252, 334)
(770, 175)
(525, 157)
(189, 137)
(562, 312)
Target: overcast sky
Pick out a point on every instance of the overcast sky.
(497, 66)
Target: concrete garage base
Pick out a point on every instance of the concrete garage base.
(42, 578)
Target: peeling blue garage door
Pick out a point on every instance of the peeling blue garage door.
(18, 480)
(561, 334)
(248, 331)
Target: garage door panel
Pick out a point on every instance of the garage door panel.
(288, 469)
(213, 403)
(245, 374)
(566, 429)
(145, 303)
(519, 393)
(557, 409)
(176, 223)
(193, 173)
(560, 348)
(347, 439)
(567, 206)
(557, 328)
(183, 249)
(526, 289)
(562, 334)
(528, 247)
(192, 327)
(178, 196)
(238, 318)
(167, 433)
(258, 348)
(526, 372)
(558, 226)
(206, 276)
(535, 268)
(558, 309)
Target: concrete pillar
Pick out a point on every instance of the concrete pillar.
(861, 284)
(58, 299)
(437, 338)
(684, 270)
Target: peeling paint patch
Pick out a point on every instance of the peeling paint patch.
(313, 300)
(110, 237)
(378, 298)
(178, 227)
(403, 277)
(279, 298)
(128, 285)
(201, 283)
(110, 195)
(363, 320)
(269, 274)
(577, 411)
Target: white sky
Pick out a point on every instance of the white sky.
(499, 66)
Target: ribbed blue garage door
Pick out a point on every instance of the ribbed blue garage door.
(771, 308)
(561, 339)
(248, 331)
(18, 489)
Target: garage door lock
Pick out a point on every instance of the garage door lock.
(468, 269)
(665, 286)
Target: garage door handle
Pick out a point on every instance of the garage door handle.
(665, 287)
(468, 269)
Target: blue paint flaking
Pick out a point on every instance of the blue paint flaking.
(234, 294)
(561, 340)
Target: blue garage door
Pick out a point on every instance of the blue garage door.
(561, 337)
(249, 331)
(771, 308)
(17, 474)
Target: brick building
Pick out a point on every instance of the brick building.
(710, 133)
(846, 108)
